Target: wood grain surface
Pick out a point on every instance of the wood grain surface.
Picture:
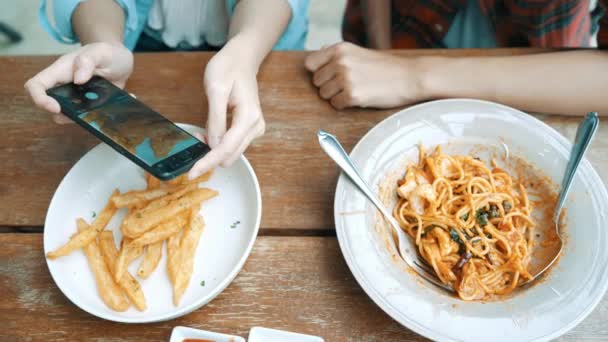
(294, 283)
(296, 178)
(291, 281)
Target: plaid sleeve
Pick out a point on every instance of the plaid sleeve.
(552, 23)
(602, 35)
(353, 26)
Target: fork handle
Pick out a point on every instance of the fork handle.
(334, 150)
(584, 134)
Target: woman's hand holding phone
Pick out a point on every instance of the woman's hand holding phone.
(112, 61)
(230, 84)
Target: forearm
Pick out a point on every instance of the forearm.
(256, 26)
(377, 23)
(99, 21)
(568, 83)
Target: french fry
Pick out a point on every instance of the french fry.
(202, 178)
(127, 254)
(163, 201)
(144, 220)
(129, 284)
(77, 241)
(134, 252)
(151, 181)
(172, 253)
(111, 294)
(136, 198)
(153, 205)
(86, 236)
(102, 219)
(151, 259)
(161, 232)
(177, 180)
(187, 249)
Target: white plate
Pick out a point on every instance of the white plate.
(179, 334)
(542, 312)
(221, 253)
(258, 334)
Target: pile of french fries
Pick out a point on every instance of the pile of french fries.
(164, 211)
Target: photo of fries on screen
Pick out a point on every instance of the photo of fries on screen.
(164, 211)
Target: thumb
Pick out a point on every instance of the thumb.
(84, 66)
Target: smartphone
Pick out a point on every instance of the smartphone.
(130, 127)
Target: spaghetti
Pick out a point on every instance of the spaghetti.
(472, 224)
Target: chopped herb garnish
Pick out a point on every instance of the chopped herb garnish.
(482, 217)
(454, 236)
(465, 217)
(94, 214)
(506, 205)
(138, 215)
(494, 213)
(429, 228)
(203, 283)
(235, 224)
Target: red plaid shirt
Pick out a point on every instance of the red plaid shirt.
(539, 23)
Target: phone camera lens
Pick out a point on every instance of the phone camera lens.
(91, 95)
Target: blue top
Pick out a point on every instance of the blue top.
(470, 29)
(136, 13)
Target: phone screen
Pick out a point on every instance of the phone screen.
(136, 128)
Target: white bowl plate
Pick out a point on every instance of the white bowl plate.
(540, 313)
(221, 253)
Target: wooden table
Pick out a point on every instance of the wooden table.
(295, 278)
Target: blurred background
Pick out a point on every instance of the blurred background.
(21, 16)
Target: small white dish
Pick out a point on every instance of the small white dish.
(542, 312)
(258, 334)
(179, 334)
(222, 251)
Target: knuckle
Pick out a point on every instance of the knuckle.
(316, 79)
(341, 48)
(341, 61)
(336, 103)
(346, 78)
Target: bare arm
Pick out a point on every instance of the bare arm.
(256, 26)
(99, 21)
(568, 83)
(230, 80)
(377, 23)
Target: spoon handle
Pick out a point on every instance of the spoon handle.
(584, 134)
(334, 150)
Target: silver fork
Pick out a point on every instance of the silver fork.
(407, 249)
(584, 133)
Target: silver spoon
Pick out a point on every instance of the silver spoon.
(406, 247)
(584, 133)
